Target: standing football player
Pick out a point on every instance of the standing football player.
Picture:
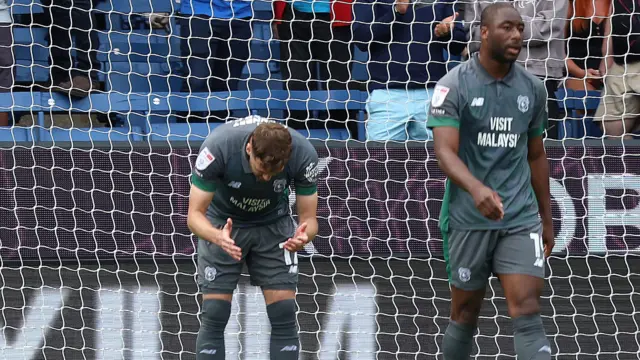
(239, 210)
(488, 116)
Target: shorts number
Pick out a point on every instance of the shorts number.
(539, 249)
(290, 261)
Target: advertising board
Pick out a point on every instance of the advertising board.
(374, 201)
(348, 309)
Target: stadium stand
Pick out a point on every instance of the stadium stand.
(142, 62)
(577, 126)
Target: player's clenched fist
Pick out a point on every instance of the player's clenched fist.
(226, 242)
(402, 6)
(299, 240)
(446, 26)
(488, 202)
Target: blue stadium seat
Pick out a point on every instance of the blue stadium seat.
(32, 55)
(159, 129)
(16, 102)
(237, 100)
(181, 132)
(578, 125)
(103, 102)
(328, 134)
(144, 51)
(120, 6)
(20, 101)
(142, 78)
(29, 72)
(127, 134)
(199, 131)
(135, 108)
(140, 109)
(129, 46)
(15, 134)
(311, 100)
(253, 101)
(275, 100)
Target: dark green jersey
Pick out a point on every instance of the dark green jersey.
(223, 167)
(496, 119)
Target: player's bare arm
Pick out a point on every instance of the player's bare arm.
(539, 165)
(447, 141)
(199, 201)
(306, 206)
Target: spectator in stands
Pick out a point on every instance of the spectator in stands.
(406, 44)
(73, 19)
(543, 52)
(619, 109)
(6, 55)
(215, 37)
(585, 35)
(311, 33)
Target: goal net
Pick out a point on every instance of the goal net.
(97, 260)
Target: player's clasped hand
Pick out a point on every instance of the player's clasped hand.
(299, 240)
(488, 202)
(227, 244)
(446, 26)
(402, 6)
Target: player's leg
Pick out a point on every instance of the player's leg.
(281, 310)
(467, 255)
(519, 263)
(218, 275)
(616, 105)
(465, 308)
(388, 115)
(275, 270)
(214, 315)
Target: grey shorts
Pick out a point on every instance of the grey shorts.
(6, 58)
(270, 266)
(473, 255)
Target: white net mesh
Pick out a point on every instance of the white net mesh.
(97, 260)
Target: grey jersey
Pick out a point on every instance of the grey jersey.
(223, 167)
(496, 119)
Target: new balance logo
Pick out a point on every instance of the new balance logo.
(477, 101)
(290, 348)
(539, 263)
(235, 184)
(293, 269)
(545, 348)
(208, 351)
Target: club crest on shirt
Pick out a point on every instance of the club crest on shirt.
(279, 185)
(205, 158)
(439, 94)
(523, 103)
